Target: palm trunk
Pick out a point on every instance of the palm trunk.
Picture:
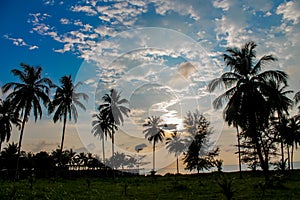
(239, 150)
(103, 151)
(20, 144)
(292, 157)
(63, 134)
(113, 149)
(255, 138)
(288, 154)
(263, 164)
(153, 157)
(0, 155)
(282, 154)
(177, 165)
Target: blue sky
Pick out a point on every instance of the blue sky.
(144, 49)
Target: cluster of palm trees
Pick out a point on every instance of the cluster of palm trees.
(254, 99)
(180, 142)
(44, 164)
(256, 104)
(25, 97)
(109, 117)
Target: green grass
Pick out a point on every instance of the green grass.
(206, 186)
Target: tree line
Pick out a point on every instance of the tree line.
(256, 102)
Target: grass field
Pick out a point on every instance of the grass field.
(205, 186)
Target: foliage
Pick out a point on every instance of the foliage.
(64, 103)
(7, 117)
(177, 144)
(27, 96)
(252, 96)
(123, 161)
(198, 155)
(112, 111)
(226, 186)
(154, 133)
(164, 187)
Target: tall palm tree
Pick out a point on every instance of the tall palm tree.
(27, 95)
(7, 117)
(294, 136)
(64, 103)
(101, 128)
(279, 105)
(154, 133)
(177, 145)
(114, 109)
(247, 92)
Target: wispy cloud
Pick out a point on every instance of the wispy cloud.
(290, 11)
(20, 42)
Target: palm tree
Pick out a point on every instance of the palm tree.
(114, 110)
(283, 136)
(177, 145)
(154, 133)
(9, 156)
(7, 117)
(26, 96)
(64, 103)
(247, 93)
(102, 127)
(279, 104)
(297, 97)
(294, 136)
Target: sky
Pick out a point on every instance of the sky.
(159, 54)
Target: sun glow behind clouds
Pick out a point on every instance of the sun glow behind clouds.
(158, 76)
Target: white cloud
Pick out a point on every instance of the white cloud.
(33, 47)
(64, 21)
(268, 14)
(37, 17)
(232, 30)
(180, 7)
(20, 42)
(290, 11)
(224, 4)
(104, 31)
(86, 9)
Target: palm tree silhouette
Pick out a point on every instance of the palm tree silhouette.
(279, 105)
(7, 117)
(113, 110)
(101, 127)
(154, 133)
(247, 92)
(294, 124)
(177, 145)
(64, 103)
(9, 156)
(26, 96)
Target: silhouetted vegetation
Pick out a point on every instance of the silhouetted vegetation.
(254, 97)
(255, 102)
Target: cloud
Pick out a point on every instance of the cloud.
(223, 4)
(182, 78)
(64, 21)
(20, 42)
(43, 146)
(37, 17)
(180, 7)
(86, 9)
(290, 11)
(33, 47)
